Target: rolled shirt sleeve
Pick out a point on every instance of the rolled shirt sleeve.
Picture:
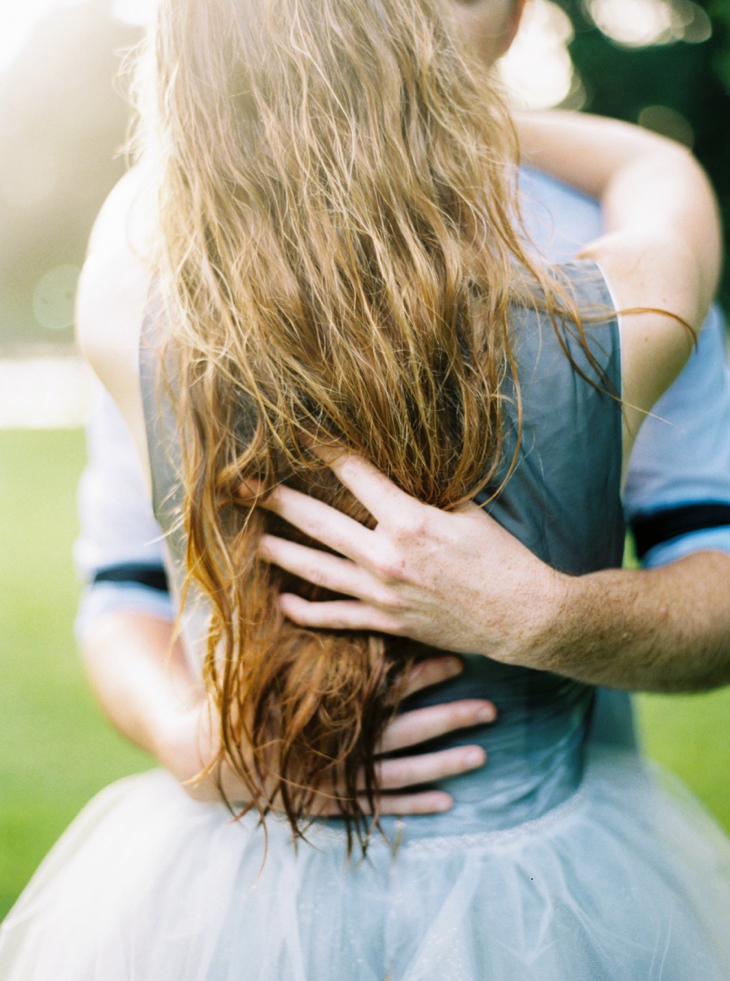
(677, 495)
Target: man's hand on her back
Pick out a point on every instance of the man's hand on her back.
(189, 745)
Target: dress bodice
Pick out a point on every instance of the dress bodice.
(562, 500)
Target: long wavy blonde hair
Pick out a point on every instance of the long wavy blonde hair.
(337, 219)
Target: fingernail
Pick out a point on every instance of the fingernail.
(453, 667)
(444, 804)
(487, 714)
(475, 756)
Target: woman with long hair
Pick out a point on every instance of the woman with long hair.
(332, 270)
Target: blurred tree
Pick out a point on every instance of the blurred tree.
(719, 11)
(692, 79)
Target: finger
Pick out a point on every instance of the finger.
(409, 771)
(323, 523)
(420, 725)
(338, 615)
(424, 802)
(431, 671)
(320, 568)
(371, 487)
(427, 802)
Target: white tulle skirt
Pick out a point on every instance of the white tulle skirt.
(627, 880)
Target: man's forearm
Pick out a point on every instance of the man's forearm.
(665, 629)
(140, 680)
(458, 581)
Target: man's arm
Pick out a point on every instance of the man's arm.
(460, 582)
(664, 629)
(675, 612)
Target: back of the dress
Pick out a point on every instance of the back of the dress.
(562, 500)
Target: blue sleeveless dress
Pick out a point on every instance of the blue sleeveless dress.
(561, 860)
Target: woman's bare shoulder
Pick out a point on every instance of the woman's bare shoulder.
(112, 295)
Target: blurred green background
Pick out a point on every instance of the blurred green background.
(678, 87)
(56, 749)
(664, 63)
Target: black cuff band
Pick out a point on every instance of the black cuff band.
(152, 576)
(663, 526)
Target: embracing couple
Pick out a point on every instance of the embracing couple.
(382, 388)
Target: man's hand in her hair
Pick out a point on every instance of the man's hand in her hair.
(454, 580)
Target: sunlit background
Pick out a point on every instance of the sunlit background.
(664, 64)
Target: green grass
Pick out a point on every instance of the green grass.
(690, 734)
(56, 750)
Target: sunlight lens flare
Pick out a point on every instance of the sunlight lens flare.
(538, 69)
(642, 23)
(17, 20)
(54, 297)
(138, 13)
